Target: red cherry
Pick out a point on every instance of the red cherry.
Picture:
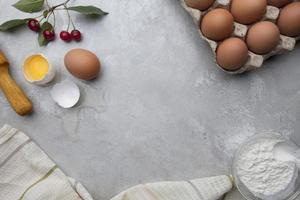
(76, 35)
(49, 35)
(34, 25)
(65, 36)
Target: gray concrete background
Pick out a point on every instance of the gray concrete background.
(161, 110)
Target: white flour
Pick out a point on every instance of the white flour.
(262, 174)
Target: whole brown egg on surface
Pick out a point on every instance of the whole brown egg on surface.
(278, 3)
(82, 64)
(199, 4)
(217, 24)
(248, 11)
(232, 54)
(263, 37)
(289, 20)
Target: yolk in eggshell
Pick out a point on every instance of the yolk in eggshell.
(36, 67)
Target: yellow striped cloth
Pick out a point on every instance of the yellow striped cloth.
(27, 173)
(211, 188)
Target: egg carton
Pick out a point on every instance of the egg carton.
(254, 61)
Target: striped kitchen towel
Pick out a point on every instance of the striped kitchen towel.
(212, 188)
(27, 173)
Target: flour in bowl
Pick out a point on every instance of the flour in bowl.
(265, 176)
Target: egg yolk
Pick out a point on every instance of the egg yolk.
(36, 67)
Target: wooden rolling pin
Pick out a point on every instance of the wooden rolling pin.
(14, 94)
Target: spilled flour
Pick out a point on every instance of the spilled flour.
(265, 176)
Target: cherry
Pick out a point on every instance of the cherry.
(76, 35)
(49, 35)
(65, 36)
(34, 25)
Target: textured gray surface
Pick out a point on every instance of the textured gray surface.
(161, 109)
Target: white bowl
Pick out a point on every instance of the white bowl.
(290, 194)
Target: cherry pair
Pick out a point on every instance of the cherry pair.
(67, 37)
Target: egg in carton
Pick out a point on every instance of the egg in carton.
(254, 60)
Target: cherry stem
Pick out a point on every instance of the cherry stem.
(51, 12)
(42, 15)
(39, 16)
(41, 20)
(54, 19)
(70, 18)
(49, 15)
(53, 8)
(47, 3)
(59, 5)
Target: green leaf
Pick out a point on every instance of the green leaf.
(46, 26)
(45, 13)
(12, 24)
(88, 10)
(29, 6)
(42, 41)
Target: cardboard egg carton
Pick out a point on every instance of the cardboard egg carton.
(254, 61)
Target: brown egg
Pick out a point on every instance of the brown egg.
(263, 37)
(289, 20)
(217, 24)
(232, 54)
(82, 64)
(199, 4)
(278, 3)
(248, 11)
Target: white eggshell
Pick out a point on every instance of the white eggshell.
(66, 94)
(47, 78)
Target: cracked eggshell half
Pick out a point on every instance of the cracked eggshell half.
(66, 94)
(37, 70)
